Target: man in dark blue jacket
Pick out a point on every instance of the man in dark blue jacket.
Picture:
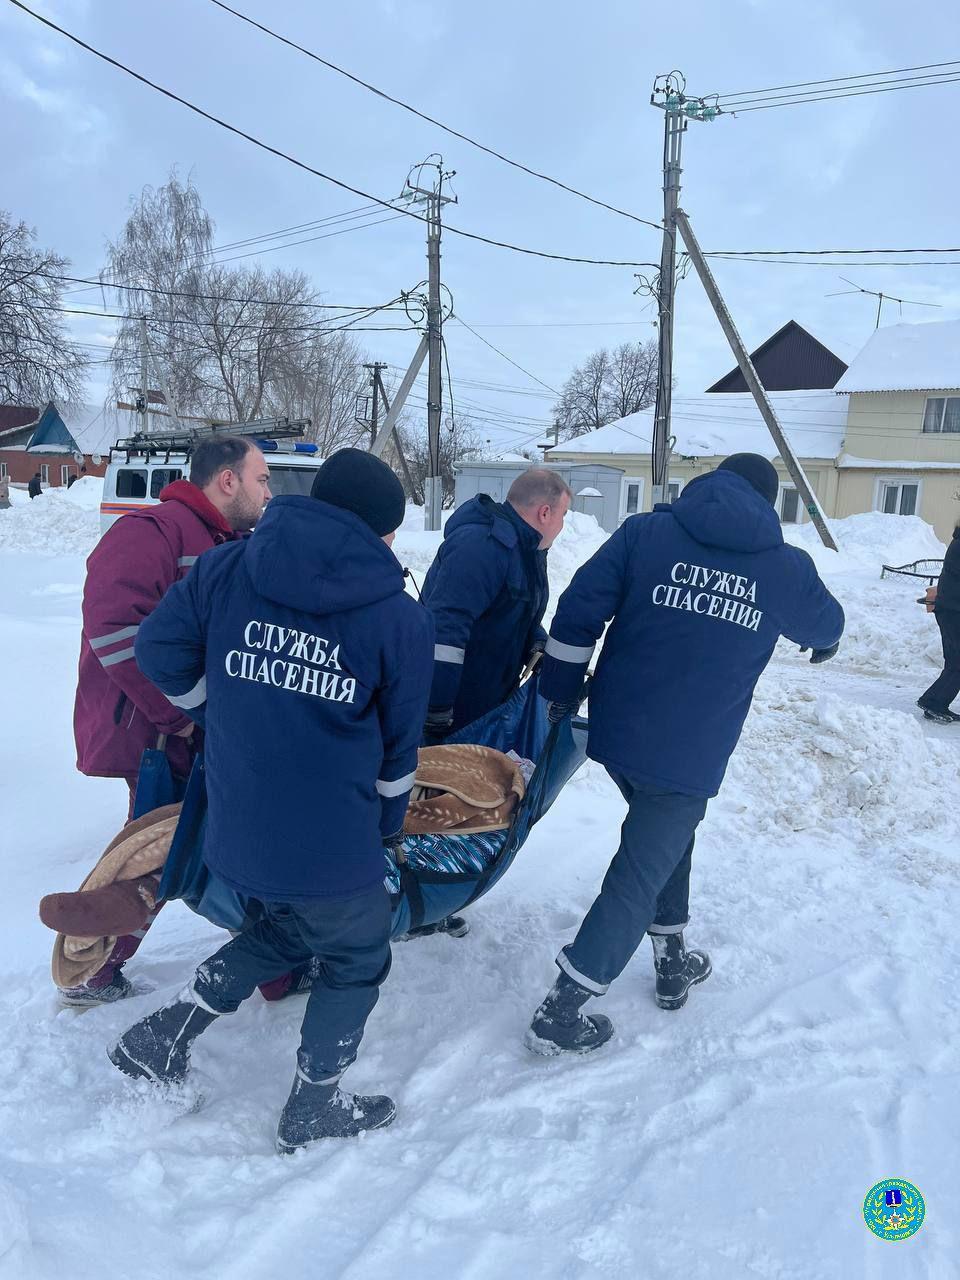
(309, 668)
(699, 592)
(487, 590)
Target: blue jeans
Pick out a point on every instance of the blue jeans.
(350, 940)
(646, 888)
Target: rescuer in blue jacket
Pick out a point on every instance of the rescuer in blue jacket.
(309, 668)
(487, 590)
(699, 592)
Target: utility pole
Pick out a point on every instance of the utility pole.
(143, 401)
(377, 385)
(435, 200)
(668, 94)
(767, 411)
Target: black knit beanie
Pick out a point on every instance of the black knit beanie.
(359, 482)
(757, 471)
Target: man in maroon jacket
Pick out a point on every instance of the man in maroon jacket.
(118, 712)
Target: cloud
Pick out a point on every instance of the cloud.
(82, 127)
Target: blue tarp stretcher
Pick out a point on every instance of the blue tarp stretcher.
(430, 876)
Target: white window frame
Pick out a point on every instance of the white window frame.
(44, 472)
(938, 430)
(4, 471)
(790, 488)
(65, 472)
(679, 483)
(624, 491)
(900, 481)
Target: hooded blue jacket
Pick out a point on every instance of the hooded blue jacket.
(487, 590)
(699, 592)
(309, 668)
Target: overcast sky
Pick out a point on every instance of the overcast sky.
(562, 87)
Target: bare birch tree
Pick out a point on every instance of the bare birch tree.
(608, 385)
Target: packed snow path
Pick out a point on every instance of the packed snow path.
(734, 1139)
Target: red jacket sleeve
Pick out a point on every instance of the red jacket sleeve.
(127, 575)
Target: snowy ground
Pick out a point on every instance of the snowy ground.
(735, 1139)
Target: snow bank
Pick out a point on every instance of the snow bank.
(868, 541)
(56, 523)
(86, 491)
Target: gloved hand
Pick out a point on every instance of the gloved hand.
(538, 646)
(557, 711)
(393, 842)
(437, 726)
(821, 655)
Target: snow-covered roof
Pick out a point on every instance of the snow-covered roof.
(907, 357)
(847, 462)
(712, 426)
(94, 427)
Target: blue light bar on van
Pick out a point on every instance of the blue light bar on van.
(267, 446)
(300, 447)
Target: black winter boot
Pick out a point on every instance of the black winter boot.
(315, 1111)
(558, 1026)
(157, 1048)
(677, 969)
(455, 926)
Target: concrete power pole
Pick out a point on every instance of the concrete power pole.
(143, 402)
(435, 200)
(668, 94)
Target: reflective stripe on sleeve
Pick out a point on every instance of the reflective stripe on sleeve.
(108, 659)
(186, 561)
(448, 653)
(193, 698)
(569, 652)
(101, 642)
(397, 787)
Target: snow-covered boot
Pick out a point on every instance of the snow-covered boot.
(157, 1048)
(322, 1110)
(558, 1026)
(677, 969)
(85, 997)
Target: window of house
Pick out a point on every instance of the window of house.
(161, 478)
(673, 490)
(45, 472)
(898, 497)
(3, 471)
(790, 509)
(66, 471)
(942, 414)
(631, 500)
(131, 482)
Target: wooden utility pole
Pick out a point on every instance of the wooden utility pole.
(767, 411)
(375, 382)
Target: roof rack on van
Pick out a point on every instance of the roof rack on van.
(185, 441)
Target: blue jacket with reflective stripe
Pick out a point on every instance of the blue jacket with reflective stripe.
(309, 667)
(487, 590)
(699, 592)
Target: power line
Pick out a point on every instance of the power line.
(809, 262)
(803, 84)
(300, 328)
(504, 356)
(216, 297)
(291, 244)
(301, 164)
(818, 253)
(332, 66)
(929, 78)
(827, 97)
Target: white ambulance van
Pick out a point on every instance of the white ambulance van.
(141, 467)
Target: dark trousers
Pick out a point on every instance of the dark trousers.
(947, 685)
(646, 888)
(350, 942)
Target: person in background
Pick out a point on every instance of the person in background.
(944, 599)
(487, 590)
(117, 711)
(310, 666)
(35, 487)
(699, 592)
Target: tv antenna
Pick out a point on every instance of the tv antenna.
(882, 298)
